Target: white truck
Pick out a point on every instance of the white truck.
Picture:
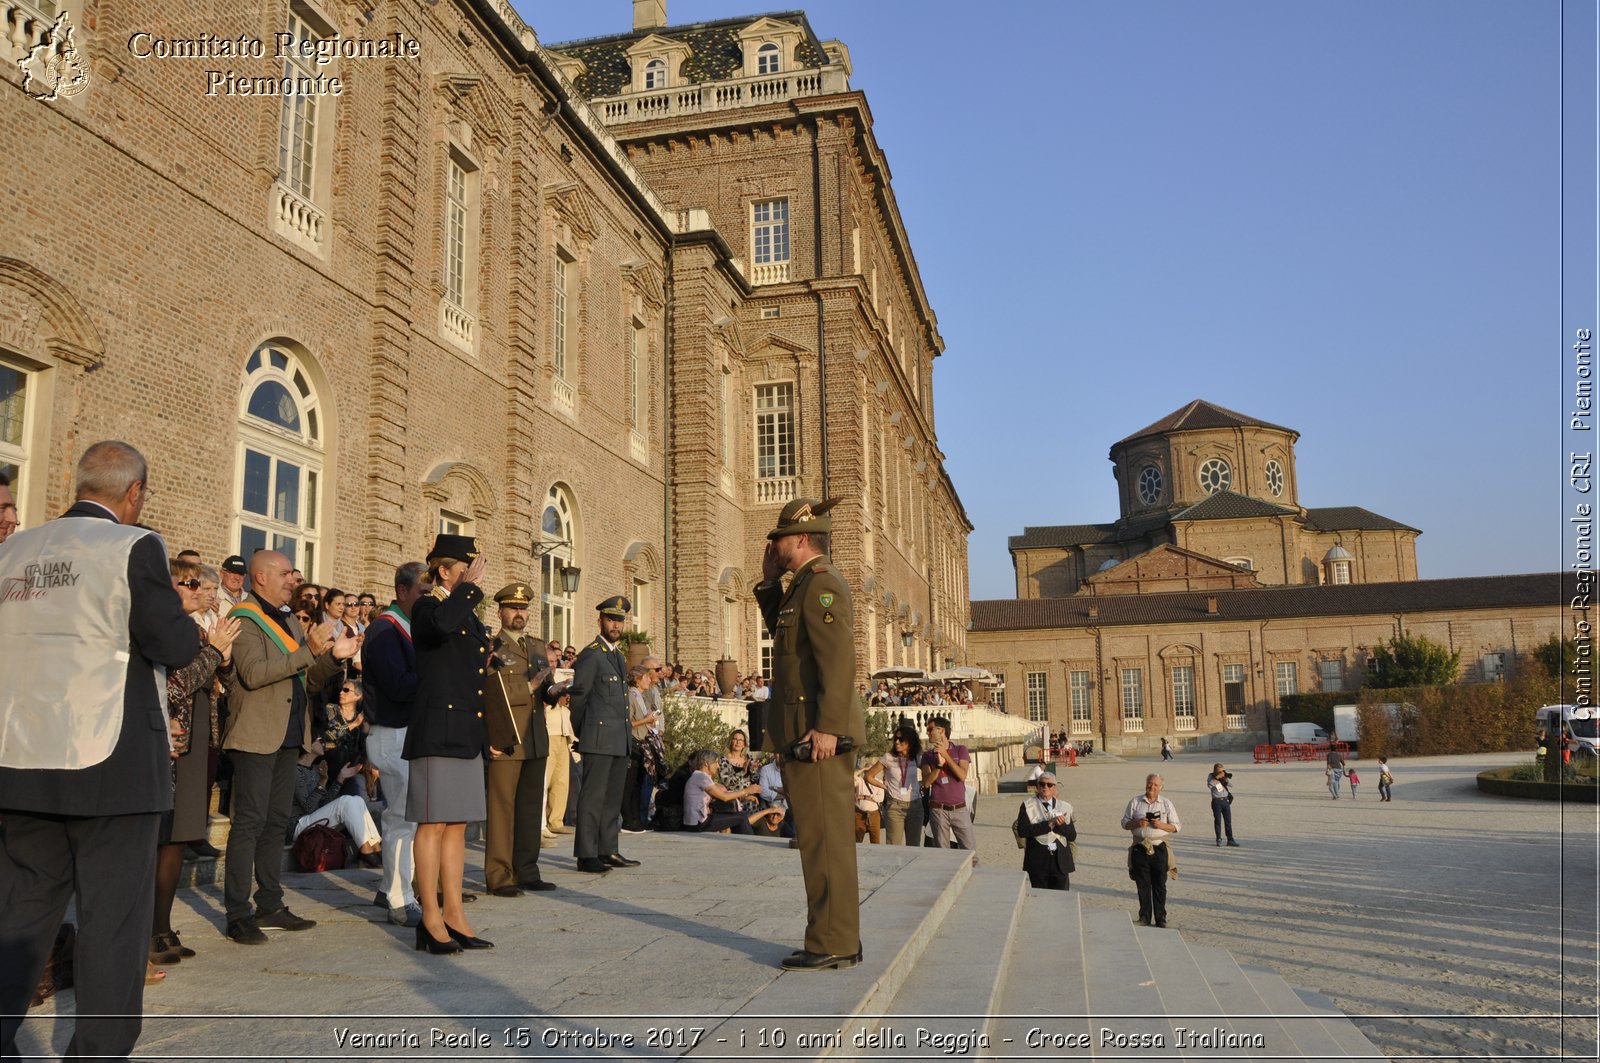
(1303, 732)
(1580, 723)
(1347, 720)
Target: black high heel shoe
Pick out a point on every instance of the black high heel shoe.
(467, 941)
(425, 940)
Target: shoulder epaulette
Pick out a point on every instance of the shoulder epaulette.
(819, 567)
(440, 593)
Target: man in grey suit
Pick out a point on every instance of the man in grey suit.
(269, 722)
(88, 619)
(600, 720)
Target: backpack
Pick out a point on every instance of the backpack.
(320, 847)
(669, 799)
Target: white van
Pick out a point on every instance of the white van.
(1303, 732)
(1579, 722)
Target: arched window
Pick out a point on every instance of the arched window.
(556, 550)
(767, 61)
(655, 74)
(277, 504)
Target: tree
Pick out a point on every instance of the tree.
(1407, 661)
(1556, 656)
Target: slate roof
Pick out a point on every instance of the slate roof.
(1227, 505)
(1201, 414)
(1266, 603)
(1063, 535)
(716, 54)
(1352, 518)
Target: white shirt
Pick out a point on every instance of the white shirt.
(1136, 810)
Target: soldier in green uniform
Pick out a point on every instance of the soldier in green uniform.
(600, 721)
(518, 748)
(813, 701)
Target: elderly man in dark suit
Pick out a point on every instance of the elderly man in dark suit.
(814, 704)
(89, 615)
(1045, 821)
(600, 721)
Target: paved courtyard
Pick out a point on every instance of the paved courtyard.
(1447, 923)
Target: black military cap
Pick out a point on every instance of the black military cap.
(804, 516)
(453, 548)
(234, 564)
(616, 607)
(514, 594)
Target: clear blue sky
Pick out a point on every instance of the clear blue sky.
(1340, 217)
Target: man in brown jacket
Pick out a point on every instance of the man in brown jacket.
(269, 721)
(813, 703)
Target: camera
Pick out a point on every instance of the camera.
(1154, 813)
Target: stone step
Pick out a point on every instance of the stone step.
(1123, 997)
(818, 1012)
(1187, 999)
(1239, 1003)
(1315, 1041)
(945, 1005)
(1043, 1005)
(1351, 1040)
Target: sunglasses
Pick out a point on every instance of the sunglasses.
(1046, 785)
(349, 690)
(192, 584)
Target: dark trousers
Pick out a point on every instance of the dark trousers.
(263, 802)
(1222, 818)
(109, 863)
(631, 805)
(600, 806)
(1149, 874)
(822, 797)
(738, 822)
(514, 825)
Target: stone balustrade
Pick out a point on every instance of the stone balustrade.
(23, 28)
(564, 397)
(458, 325)
(297, 219)
(775, 489)
(718, 96)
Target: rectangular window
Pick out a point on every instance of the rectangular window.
(1332, 674)
(774, 431)
(1038, 702)
(635, 377)
(1078, 685)
(1233, 689)
(771, 231)
(558, 311)
(454, 523)
(1183, 691)
(1288, 678)
(1133, 693)
(455, 234)
(997, 693)
(297, 131)
(764, 653)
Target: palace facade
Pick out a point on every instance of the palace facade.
(1216, 592)
(455, 280)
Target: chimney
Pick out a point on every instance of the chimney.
(649, 14)
(1211, 605)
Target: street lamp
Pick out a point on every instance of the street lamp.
(569, 573)
(569, 579)
(907, 638)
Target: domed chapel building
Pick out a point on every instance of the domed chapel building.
(1217, 591)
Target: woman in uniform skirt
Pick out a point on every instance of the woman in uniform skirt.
(446, 739)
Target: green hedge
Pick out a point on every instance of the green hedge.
(1514, 782)
(1314, 708)
(1464, 718)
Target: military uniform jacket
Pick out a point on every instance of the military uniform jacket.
(813, 657)
(509, 700)
(452, 648)
(600, 701)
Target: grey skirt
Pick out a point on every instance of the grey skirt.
(445, 790)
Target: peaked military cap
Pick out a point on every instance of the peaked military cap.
(514, 594)
(804, 515)
(616, 607)
(234, 564)
(453, 548)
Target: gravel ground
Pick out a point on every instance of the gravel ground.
(1447, 923)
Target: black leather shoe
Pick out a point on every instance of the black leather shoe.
(204, 849)
(381, 901)
(283, 919)
(245, 932)
(1162, 925)
(434, 946)
(818, 961)
(505, 891)
(466, 898)
(589, 865)
(1141, 922)
(618, 860)
(467, 941)
(537, 886)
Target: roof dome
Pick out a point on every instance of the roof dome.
(1338, 553)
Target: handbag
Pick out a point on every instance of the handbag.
(320, 847)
